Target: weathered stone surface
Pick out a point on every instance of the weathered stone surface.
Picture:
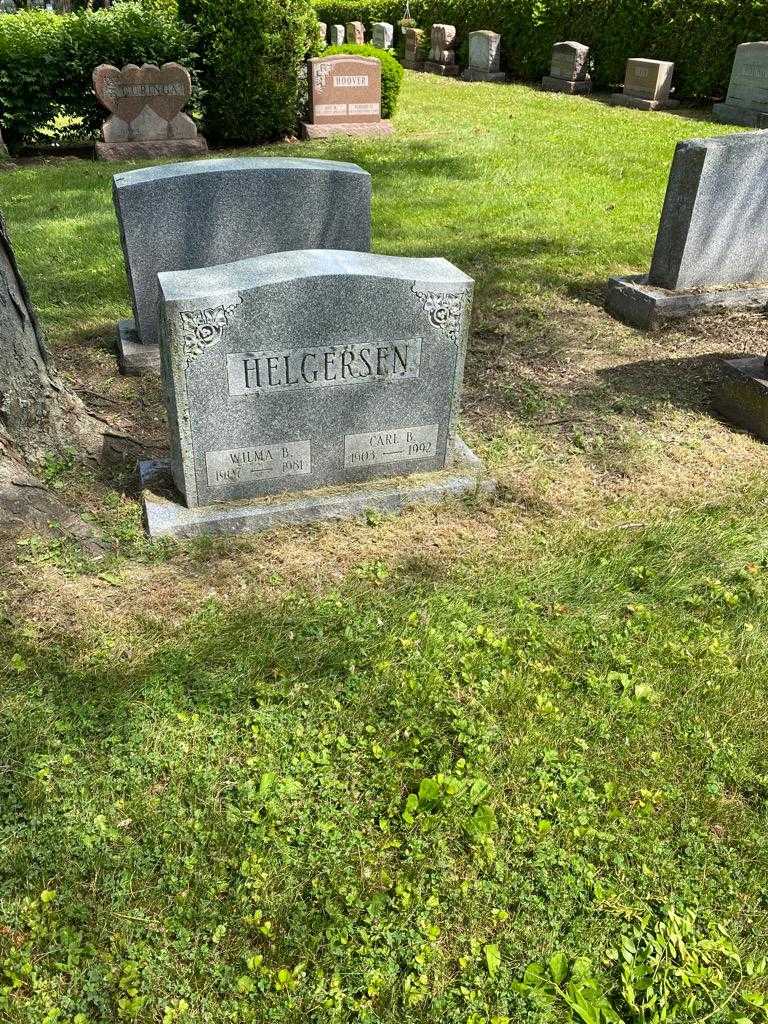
(322, 29)
(345, 97)
(146, 107)
(443, 37)
(484, 58)
(182, 216)
(637, 302)
(414, 41)
(570, 61)
(549, 84)
(166, 517)
(747, 99)
(649, 79)
(742, 396)
(714, 223)
(383, 35)
(337, 35)
(310, 369)
(442, 59)
(356, 32)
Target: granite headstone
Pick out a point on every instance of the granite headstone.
(484, 58)
(647, 85)
(345, 97)
(383, 35)
(322, 31)
(356, 33)
(414, 42)
(442, 56)
(303, 370)
(146, 118)
(569, 70)
(711, 244)
(202, 213)
(337, 35)
(747, 99)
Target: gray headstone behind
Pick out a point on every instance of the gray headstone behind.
(305, 369)
(204, 213)
(714, 224)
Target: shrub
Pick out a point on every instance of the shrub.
(251, 58)
(47, 60)
(391, 72)
(699, 37)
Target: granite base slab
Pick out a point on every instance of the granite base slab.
(639, 304)
(727, 113)
(166, 516)
(413, 65)
(742, 397)
(572, 88)
(154, 150)
(134, 358)
(447, 70)
(379, 129)
(619, 99)
(476, 75)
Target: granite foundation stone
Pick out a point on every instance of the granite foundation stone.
(742, 395)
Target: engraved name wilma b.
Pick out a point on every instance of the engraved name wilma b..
(323, 366)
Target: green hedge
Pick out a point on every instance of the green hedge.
(47, 60)
(251, 57)
(391, 72)
(700, 36)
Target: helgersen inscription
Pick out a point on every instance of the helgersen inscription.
(252, 373)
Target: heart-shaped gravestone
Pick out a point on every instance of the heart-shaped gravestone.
(128, 91)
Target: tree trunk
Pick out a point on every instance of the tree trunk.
(39, 414)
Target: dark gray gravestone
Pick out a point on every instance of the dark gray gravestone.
(712, 244)
(204, 213)
(307, 369)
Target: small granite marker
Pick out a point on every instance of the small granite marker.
(345, 97)
(356, 33)
(307, 370)
(442, 58)
(710, 249)
(747, 99)
(647, 85)
(569, 71)
(383, 35)
(414, 41)
(337, 35)
(202, 213)
(146, 112)
(484, 58)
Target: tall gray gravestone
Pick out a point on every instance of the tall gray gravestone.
(383, 35)
(307, 370)
(200, 214)
(747, 99)
(569, 69)
(712, 243)
(484, 58)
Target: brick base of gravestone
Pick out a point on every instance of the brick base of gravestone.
(134, 357)
(447, 70)
(619, 99)
(478, 75)
(165, 514)
(326, 131)
(574, 88)
(639, 304)
(742, 396)
(151, 150)
(727, 113)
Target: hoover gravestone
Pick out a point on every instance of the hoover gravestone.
(199, 214)
(304, 370)
(345, 97)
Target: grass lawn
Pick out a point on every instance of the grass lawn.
(373, 772)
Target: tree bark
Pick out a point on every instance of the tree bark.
(39, 414)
